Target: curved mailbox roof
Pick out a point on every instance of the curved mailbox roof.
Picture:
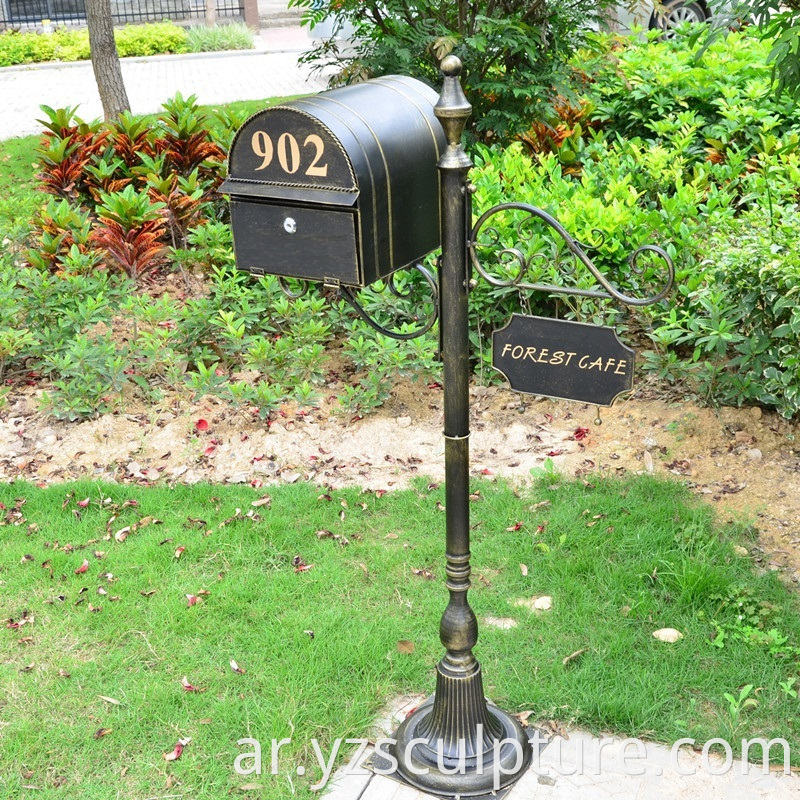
(370, 147)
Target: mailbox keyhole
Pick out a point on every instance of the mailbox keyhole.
(289, 225)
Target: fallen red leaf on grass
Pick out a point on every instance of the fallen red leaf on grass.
(179, 551)
(192, 599)
(122, 534)
(188, 686)
(83, 503)
(83, 567)
(299, 564)
(177, 750)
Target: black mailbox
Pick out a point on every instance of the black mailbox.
(340, 187)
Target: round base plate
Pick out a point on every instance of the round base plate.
(421, 764)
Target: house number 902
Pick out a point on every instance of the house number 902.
(288, 153)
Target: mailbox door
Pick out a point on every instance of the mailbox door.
(317, 244)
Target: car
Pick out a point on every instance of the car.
(667, 15)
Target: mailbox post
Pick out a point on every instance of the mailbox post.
(456, 743)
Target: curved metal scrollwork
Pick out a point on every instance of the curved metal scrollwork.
(426, 322)
(349, 295)
(524, 261)
(293, 294)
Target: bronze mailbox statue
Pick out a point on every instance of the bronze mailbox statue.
(341, 187)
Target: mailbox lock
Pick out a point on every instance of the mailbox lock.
(289, 225)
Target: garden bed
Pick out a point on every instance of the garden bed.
(745, 462)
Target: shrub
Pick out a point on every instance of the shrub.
(719, 97)
(731, 330)
(146, 182)
(228, 36)
(69, 44)
(150, 39)
(625, 196)
(25, 48)
(739, 333)
(514, 54)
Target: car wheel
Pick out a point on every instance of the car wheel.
(675, 13)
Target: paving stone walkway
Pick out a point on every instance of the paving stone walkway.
(586, 767)
(269, 71)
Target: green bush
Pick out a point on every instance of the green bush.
(739, 333)
(730, 332)
(151, 39)
(69, 44)
(661, 89)
(514, 53)
(627, 195)
(26, 48)
(228, 36)
(716, 185)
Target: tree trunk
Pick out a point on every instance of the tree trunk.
(211, 13)
(105, 60)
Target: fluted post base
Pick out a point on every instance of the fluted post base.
(458, 744)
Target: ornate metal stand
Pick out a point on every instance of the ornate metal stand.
(423, 320)
(525, 262)
(457, 743)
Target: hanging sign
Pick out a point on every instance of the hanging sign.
(563, 359)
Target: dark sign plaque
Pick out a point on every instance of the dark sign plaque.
(568, 360)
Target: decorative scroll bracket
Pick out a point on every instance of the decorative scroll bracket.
(348, 294)
(575, 247)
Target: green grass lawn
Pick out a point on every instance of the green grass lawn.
(318, 648)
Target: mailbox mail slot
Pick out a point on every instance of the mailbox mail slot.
(341, 187)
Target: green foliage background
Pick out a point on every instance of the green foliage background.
(514, 52)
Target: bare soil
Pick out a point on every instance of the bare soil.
(744, 462)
